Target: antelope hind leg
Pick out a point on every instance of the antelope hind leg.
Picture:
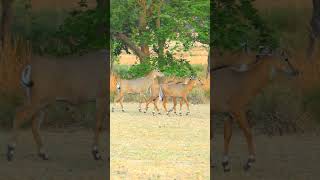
(36, 122)
(101, 113)
(23, 115)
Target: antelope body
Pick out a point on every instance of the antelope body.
(135, 86)
(233, 91)
(73, 79)
(175, 90)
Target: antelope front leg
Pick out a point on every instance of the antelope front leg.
(181, 103)
(244, 125)
(187, 103)
(23, 115)
(164, 104)
(101, 113)
(174, 99)
(227, 138)
(36, 122)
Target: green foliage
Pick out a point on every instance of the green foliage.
(179, 19)
(84, 30)
(167, 65)
(235, 22)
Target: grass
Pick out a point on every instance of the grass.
(157, 147)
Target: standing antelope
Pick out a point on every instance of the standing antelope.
(177, 90)
(135, 86)
(155, 93)
(233, 91)
(73, 79)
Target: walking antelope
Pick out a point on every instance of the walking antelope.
(233, 91)
(135, 86)
(73, 79)
(176, 90)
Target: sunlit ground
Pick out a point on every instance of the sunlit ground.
(160, 147)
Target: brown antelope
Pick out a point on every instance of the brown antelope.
(155, 92)
(177, 90)
(135, 86)
(73, 79)
(233, 91)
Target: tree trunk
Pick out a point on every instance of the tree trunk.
(102, 4)
(131, 46)
(161, 41)
(315, 28)
(143, 26)
(209, 65)
(5, 21)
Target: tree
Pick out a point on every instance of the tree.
(315, 28)
(144, 26)
(6, 19)
(237, 26)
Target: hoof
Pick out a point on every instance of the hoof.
(159, 113)
(43, 156)
(96, 155)
(139, 110)
(167, 113)
(153, 113)
(145, 112)
(248, 164)
(226, 166)
(180, 113)
(122, 110)
(187, 113)
(10, 153)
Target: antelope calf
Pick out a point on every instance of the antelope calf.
(176, 90)
(73, 79)
(233, 91)
(135, 86)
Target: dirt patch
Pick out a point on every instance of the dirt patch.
(69, 153)
(160, 147)
(278, 158)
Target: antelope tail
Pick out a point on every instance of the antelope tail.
(118, 87)
(26, 81)
(161, 95)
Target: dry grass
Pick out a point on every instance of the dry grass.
(160, 147)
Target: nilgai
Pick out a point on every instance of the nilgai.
(180, 90)
(135, 86)
(155, 92)
(233, 91)
(73, 79)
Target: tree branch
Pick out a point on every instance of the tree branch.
(122, 37)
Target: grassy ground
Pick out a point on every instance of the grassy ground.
(69, 153)
(289, 157)
(160, 147)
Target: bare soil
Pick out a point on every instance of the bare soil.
(288, 157)
(69, 153)
(144, 146)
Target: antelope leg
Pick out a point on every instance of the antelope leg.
(227, 139)
(23, 115)
(101, 113)
(36, 122)
(244, 125)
